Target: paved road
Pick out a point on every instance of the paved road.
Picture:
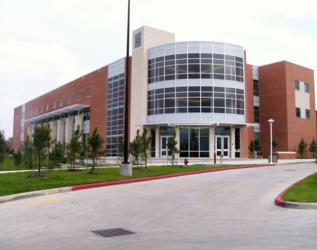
(221, 210)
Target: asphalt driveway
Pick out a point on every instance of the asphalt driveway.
(221, 210)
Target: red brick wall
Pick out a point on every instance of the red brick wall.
(277, 101)
(96, 80)
(299, 128)
(17, 128)
(247, 134)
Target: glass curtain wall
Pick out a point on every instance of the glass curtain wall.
(194, 142)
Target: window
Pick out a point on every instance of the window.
(306, 87)
(256, 114)
(307, 114)
(194, 142)
(195, 66)
(298, 112)
(205, 99)
(297, 85)
(88, 92)
(115, 112)
(138, 40)
(77, 96)
(69, 99)
(255, 87)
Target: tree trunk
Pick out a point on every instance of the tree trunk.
(39, 167)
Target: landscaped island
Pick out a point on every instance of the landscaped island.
(304, 191)
(14, 183)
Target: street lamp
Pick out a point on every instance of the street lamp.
(270, 121)
(126, 167)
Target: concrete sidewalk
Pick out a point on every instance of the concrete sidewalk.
(160, 162)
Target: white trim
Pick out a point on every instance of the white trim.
(65, 110)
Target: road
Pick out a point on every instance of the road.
(221, 210)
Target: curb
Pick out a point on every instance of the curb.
(112, 183)
(290, 204)
(13, 197)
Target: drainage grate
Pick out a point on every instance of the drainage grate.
(290, 170)
(112, 232)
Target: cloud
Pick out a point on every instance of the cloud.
(44, 44)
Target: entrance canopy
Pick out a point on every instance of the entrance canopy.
(201, 124)
(58, 112)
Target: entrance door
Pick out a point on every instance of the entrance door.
(222, 146)
(164, 151)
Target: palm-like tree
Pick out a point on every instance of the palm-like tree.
(41, 142)
(95, 142)
(145, 142)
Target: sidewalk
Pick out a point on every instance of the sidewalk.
(160, 162)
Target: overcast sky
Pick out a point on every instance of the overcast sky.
(45, 44)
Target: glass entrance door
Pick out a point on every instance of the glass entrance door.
(164, 150)
(222, 146)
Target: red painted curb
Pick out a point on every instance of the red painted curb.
(279, 200)
(119, 182)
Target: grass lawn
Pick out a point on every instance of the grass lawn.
(21, 182)
(9, 164)
(305, 191)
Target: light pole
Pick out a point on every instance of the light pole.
(126, 167)
(270, 121)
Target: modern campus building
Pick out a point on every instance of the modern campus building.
(204, 92)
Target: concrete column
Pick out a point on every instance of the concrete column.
(157, 142)
(68, 129)
(233, 142)
(29, 131)
(177, 138)
(79, 121)
(60, 130)
(32, 130)
(53, 127)
(211, 142)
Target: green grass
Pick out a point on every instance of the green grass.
(21, 182)
(8, 164)
(304, 191)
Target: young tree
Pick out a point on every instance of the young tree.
(145, 142)
(302, 147)
(313, 147)
(135, 147)
(27, 153)
(74, 148)
(251, 147)
(17, 158)
(2, 147)
(41, 142)
(95, 142)
(57, 154)
(172, 146)
(9, 149)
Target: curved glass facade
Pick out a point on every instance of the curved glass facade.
(188, 81)
(195, 66)
(196, 99)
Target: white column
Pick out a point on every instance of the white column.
(60, 130)
(211, 142)
(29, 130)
(233, 142)
(53, 130)
(157, 142)
(177, 138)
(79, 121)
(68, 129)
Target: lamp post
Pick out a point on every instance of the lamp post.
(270, 121)
(126, 167)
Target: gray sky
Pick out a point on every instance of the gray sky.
(45, 44)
